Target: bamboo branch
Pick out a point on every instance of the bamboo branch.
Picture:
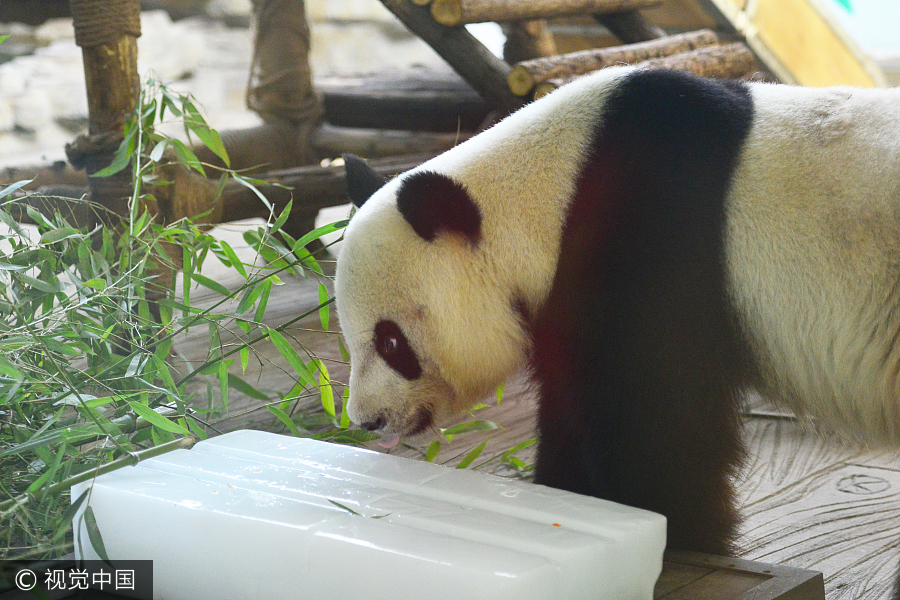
(525, 75)
(730, 61)
(462, 12)
(123, 461)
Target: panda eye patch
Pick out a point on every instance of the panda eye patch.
(392, 347)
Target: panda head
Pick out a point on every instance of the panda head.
(428, 325)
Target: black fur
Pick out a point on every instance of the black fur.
(362, 180)
(636, 351)
(432, 203)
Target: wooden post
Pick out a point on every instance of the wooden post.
(527, 40)
(461, 12)
(280, 87)
(469, 58)
(525, 75)
(107, 32)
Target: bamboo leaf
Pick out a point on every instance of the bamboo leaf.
(471, 456)
(294, 360)
(283, 217)
(433, 450)
(93, 530)
(44, 286)
(223, 385)
(317, 233)
(246, 183)
(96, 283)
(284, 418)
(8, 369)
(323, 311)
(122, 156)
(470, 426)
(327, 393)
(245, 358)
(236, 262)
(57, 235)
(13, 187)
(156, 419)
(263, 302)
(158, 150)
(251, 294)
(210, 284)
(236, 383)
(187, 156)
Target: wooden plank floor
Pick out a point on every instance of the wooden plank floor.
(811, 500)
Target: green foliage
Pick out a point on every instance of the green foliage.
(90, 377)
(88, 368)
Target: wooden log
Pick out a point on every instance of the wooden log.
(57, 173)
(416, 99)
(311, 188)
(462, 12)
(482, 70)
(525, 75)
(630, 26)
(332, 141)
(527, 40)
(729, 61)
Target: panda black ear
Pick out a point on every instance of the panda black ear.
(432, 203)
(362, 180)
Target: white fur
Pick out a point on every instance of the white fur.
(813, 249)
(814, 252)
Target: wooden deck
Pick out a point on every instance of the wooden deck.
(811, 501)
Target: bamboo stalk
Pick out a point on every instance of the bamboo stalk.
(525, 75)
(729, 61)
(462, 12)
(123, 461)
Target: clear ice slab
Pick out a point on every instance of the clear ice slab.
(252, 514)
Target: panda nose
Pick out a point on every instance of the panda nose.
(378, 423)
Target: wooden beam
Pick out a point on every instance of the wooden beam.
(332, 141)
(415, 99)
(462, 12)
(525, 75)
(729, 61)
(311, 188)
(482, 70)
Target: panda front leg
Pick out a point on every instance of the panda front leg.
(638, 400)
(676, 462)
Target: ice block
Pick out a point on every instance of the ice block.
(252, 515)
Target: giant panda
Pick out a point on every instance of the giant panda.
(650, 245)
